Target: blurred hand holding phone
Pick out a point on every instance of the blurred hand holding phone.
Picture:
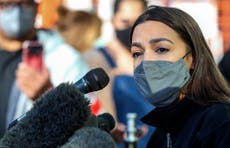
(32, 64)
(33, 54)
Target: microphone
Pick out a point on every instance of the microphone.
(90, 137)
(106, 122)
(94, 80)
(103, 121)
(55, 116)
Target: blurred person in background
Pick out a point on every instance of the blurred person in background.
(224, 19)
(21, 84)
(126, 96)
(81, 29)
(117, 50)
(224, 66)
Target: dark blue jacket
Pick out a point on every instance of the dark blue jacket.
(224, 66)
(189, 125)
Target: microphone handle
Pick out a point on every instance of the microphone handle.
(131, 139)
(129, 144)
(13, 123)
(82, 86)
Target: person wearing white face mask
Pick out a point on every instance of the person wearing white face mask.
(16, 21)
(21, 84)
(176, 72)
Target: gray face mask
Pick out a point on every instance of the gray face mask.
(161, 81)
(16, 21)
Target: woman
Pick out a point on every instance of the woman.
(176, 72)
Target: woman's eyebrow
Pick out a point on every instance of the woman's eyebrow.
(152, 41)
(136, 44)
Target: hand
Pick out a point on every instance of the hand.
(32, 82)
(118, 133)
(142, 131)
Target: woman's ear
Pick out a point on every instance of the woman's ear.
(190, 62)
(192, 67)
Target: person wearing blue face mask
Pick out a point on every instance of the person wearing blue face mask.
(16, 19)
(176, 72)
(21, 84)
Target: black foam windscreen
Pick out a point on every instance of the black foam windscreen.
(106, 122)
(90, 137)
(55, 116)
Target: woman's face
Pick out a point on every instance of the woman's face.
(153, 40)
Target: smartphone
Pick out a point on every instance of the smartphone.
(32, 54)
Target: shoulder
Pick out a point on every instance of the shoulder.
(47, 33)
(219, 111)
(49, 38)
(108, 57)
(64, 62)
(225, 60)
(215, 128)
(94, 58)
(54, 44)
(227, 55)
(214, 117)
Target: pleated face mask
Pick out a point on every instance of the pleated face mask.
(16, 21)
(161, 81)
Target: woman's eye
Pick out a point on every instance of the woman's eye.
(136, 54)
(161, 50)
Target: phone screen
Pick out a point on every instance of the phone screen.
(33, 54)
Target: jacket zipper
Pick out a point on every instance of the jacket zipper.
(169, 140)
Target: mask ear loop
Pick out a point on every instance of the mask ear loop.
(184, 92)
(187, 54)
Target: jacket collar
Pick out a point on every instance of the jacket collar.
(171, 118)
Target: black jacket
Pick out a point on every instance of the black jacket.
(224, 65)
(189, 125)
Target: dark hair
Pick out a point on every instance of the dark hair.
(118, 2)
(207, 83)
